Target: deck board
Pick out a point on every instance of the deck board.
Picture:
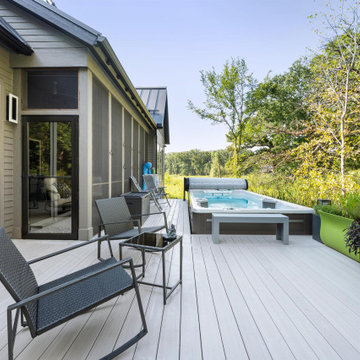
(249, 297)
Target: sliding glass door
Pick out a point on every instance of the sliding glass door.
(50, 177)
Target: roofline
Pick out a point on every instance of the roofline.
(11, 39)
(130, 90)
(151, 87)
(165, 124)
(91, 39)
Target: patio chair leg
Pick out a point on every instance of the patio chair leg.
(166, 223)
(155, 201)
(142, 333)
(110, 248)
(99, 250)
(143, 262)
(11, 329)
(22, 319)
(99, 245)
(167, 199)
(163, 276)
(138, 298)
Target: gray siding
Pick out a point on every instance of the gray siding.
(100, 145)
(151, 149)
(6, 147)
(116, 148)
(127, 149)
(38, 34)
(142, 153)
(48, 43)
(135, 149)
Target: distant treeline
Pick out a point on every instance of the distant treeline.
(196, 162)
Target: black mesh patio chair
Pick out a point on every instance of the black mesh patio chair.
(151, 181)
(44, 307)
(118, 223)
(138, 188)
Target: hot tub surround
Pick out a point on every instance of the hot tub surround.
(243, 201)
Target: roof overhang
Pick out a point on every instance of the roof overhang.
(156, 101)
(12, 40)
(94, 41)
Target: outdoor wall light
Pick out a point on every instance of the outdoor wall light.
(12, 108)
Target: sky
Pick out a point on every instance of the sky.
(168, 42)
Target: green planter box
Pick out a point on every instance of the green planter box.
(332, 232)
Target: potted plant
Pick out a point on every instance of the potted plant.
(352, 236)
(316, 221)
(340, 225)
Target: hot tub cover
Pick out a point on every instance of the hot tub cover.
(215, 183)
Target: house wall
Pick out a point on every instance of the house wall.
(152, 149)
(51, 49)
(7, 134)
(49, 44)
(129, 142)
(127, 136)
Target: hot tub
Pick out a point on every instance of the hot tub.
(204, 202)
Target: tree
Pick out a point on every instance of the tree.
(218, 162)
(225, 100)
(196, 162)
(334, 132)
(278, 113)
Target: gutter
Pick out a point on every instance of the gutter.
(129, 89)
(13, 40)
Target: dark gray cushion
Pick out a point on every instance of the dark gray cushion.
(66, 303)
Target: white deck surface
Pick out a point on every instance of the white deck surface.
(249, 297)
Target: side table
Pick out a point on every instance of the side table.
(153, 242)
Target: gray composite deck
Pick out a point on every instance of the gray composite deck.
(249, 297)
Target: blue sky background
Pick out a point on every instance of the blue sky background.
(167, 43)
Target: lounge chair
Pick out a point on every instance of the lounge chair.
(55, 200)
(118, 223)
(152, 184)
(44, 307)
(138, 188)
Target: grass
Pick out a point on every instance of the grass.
(296, 190)
(174, 186)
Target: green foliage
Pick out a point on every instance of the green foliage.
(174, 186)
(352, 237)
(226, 94)
(294, 136)
(330, 209)
(301, 190)
(296, 190)
(197, 163)
(350, 203)
(277, 111)
(333, 140)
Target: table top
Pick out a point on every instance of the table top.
(153, 241)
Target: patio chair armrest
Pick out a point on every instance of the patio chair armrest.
(69, 283)
(117, 222)
(156, 213)
(102, 238)
(149, 214)
(130, 220)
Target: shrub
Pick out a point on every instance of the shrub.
(352, 237)
(350, 202)
(331, 209)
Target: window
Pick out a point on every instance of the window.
(51, 89)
